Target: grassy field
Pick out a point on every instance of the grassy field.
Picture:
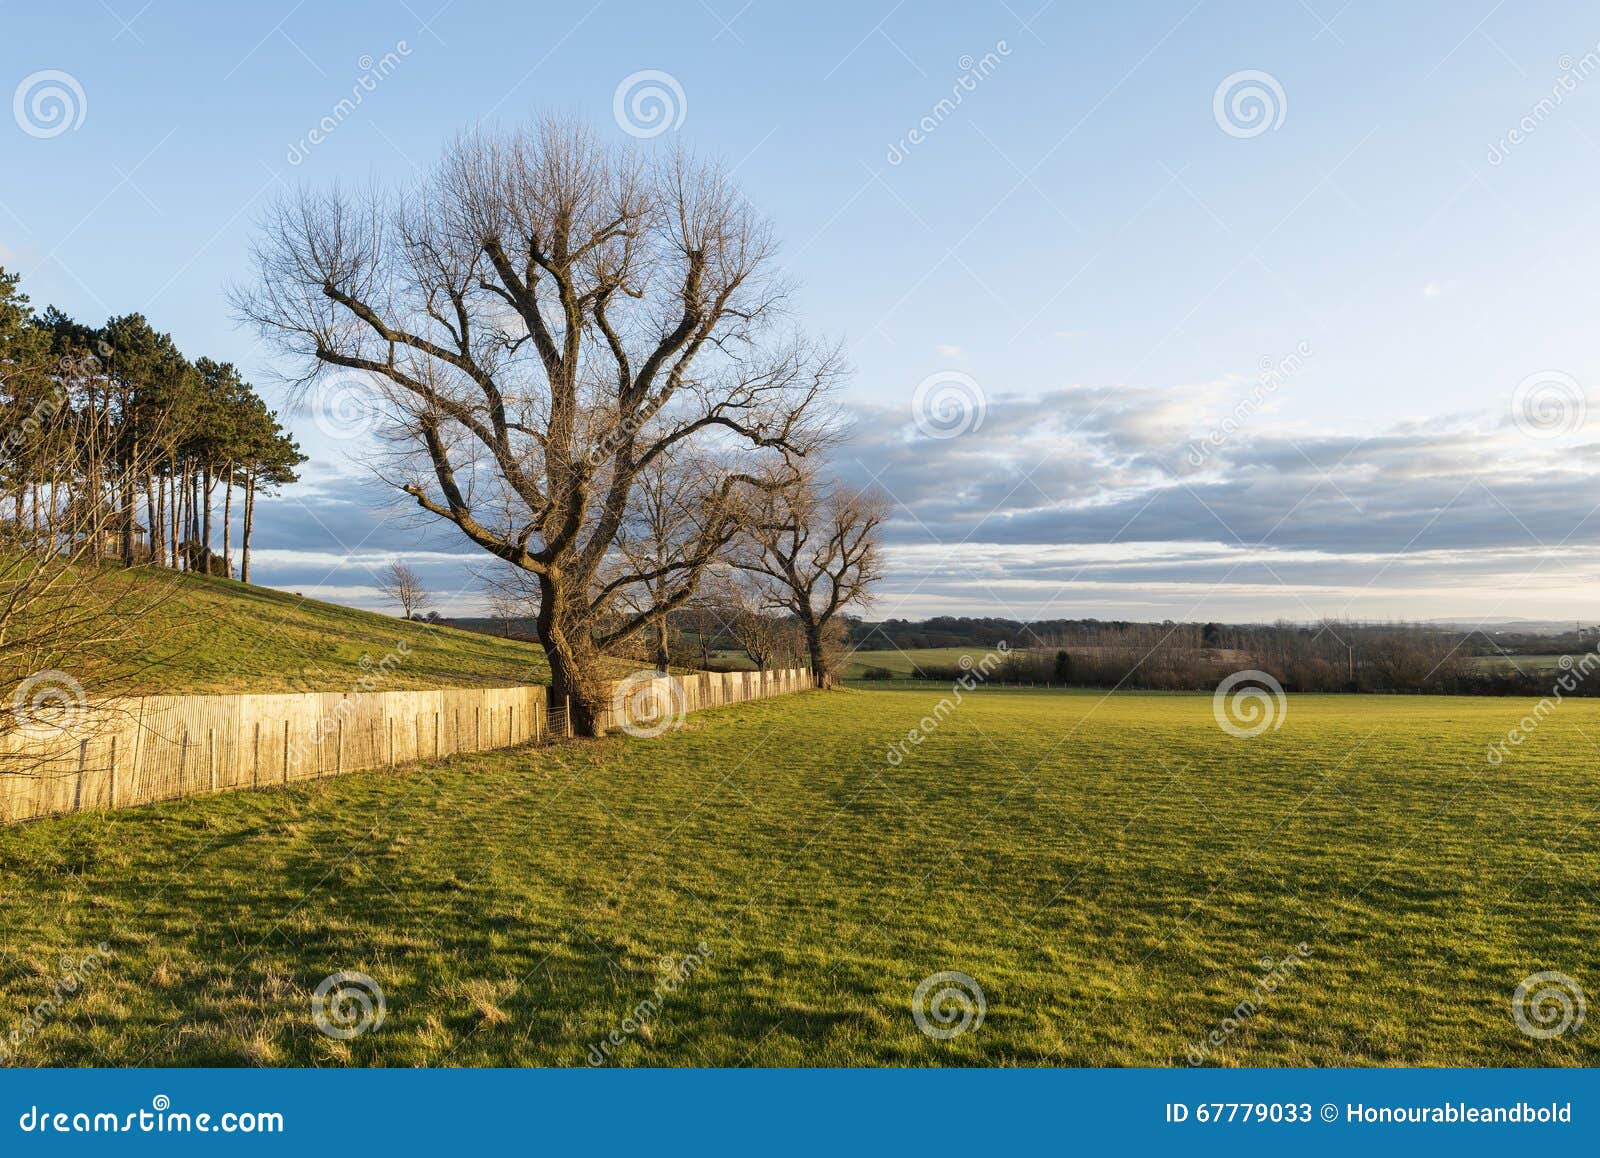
(216, 635)
(1117, 874)
(902, 663)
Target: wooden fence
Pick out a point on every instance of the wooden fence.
(134, 751)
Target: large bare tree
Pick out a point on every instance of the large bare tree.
(540, 319)
(815, 550)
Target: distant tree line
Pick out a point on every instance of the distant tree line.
(112, 439)
(1329, 656)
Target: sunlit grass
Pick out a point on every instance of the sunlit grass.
(216, 635)
(1111, 871)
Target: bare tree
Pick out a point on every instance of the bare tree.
(540, 319)
(402, 585)
(504, 605)
(667, 522)
(770, 640)
(815, 549)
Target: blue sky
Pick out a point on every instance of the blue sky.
(1107, 260)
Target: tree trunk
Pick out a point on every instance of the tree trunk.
(663, 645)
(249, 520)
(205, 523)
(227, 521)
(821, 676)
(573, 661)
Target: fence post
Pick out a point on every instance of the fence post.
(211, 757)
(338, 750)
(255, 768)
(183, 760)
(112, 800)
(83, 759)
(286, 751)
(390, 719)
(567, 711)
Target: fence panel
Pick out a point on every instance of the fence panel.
(136, 750)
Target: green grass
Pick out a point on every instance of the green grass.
(217, 635)
(1109, 870)
(902, 663)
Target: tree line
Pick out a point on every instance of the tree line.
(111, 439)
(1332, 655)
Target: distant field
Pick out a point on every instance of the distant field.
(901, 663)
(1526, 663)
(216, 635)
(1112, 872)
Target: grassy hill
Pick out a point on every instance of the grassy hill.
(216, 635)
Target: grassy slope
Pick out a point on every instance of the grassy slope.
(1110, 870)
(214, 635)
